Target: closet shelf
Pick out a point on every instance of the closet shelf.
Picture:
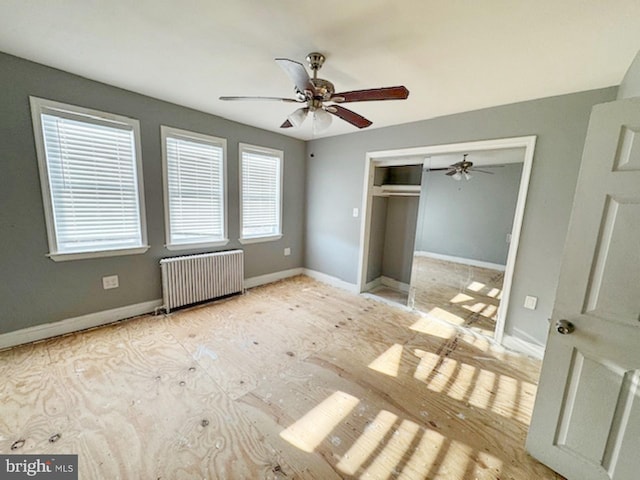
(396, 191)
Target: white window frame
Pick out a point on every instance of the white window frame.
(166, 132)
(40, 106)
(242, 147)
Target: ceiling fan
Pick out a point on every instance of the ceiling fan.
(319, 97)
(463, 169)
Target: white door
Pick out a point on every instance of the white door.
(586, 419)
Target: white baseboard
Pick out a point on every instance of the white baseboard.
(375, 283)
(336, 282)
(69, 325)
(271, 277)
(464, 261)
(392, 283)
(519, 345)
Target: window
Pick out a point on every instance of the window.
(194, 189)
(260, 194)
(91, 176)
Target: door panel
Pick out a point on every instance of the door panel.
(613, 290)
(586, 419)
(628, 155)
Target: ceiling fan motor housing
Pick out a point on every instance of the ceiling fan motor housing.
(315, 60)
(324, 89)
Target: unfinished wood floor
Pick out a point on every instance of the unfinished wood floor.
(294, 380)
(457, 293)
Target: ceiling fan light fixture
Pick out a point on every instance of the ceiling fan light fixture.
(467, 176)
(321, 120)
(297, 118)
(457, 176)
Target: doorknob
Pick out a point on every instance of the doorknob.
(565, 327)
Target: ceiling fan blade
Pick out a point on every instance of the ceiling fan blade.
(481, 171)
(437, 169)
(387, 93)
(286, 124)
(297, 73)
(451, 173)
(347, 115)
(277, 99)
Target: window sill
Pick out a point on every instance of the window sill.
(270, 238)
(63, 257)
(194, 246)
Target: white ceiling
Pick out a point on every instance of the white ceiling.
(453, 56)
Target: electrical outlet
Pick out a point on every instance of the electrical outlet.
(530, 302)
(287, 252)
(110, 282)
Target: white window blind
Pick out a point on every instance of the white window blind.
(195, 188)
(261, 192)
(92, 178)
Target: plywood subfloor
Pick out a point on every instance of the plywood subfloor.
(294, 380)
(457, 293)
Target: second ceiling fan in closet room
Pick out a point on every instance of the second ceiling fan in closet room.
(463, 168)
(319, 97)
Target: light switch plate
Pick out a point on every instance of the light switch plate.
(530, 302)
(287, 252)
(356, 212)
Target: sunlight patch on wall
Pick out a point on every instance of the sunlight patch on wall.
(388, 362)
(308, 432)
(367, 443)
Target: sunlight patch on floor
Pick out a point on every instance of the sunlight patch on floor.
(476, 307)
(451, 466)
(436, 329)
(367, 443)
(476, 286)
(494, 292)
(461, 297)
(393, 451)
(424, 456)
(389, 361)
(308, 432)
(442, 314)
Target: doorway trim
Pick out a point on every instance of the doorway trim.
(417, 156)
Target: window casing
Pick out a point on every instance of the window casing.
(194, 167)
(260, 193)
(91, 177)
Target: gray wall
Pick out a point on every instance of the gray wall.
(36, 290)
(335, 177)
(399, 240)
(469, 219)
(630, 86)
